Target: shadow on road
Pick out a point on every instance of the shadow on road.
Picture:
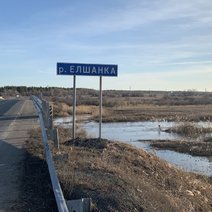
(11, 118)
(5, 105)
(25, 182)
(18, 131)
(10, 174)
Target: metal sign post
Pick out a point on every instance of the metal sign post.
(87, 70)
(74, 108)
(100, 107)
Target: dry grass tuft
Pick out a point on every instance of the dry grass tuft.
(61, 109)
(190, 129)
(194, 148)
(86, 109)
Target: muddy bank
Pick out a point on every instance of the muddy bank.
(193, 148)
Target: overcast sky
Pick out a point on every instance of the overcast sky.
(157, 44)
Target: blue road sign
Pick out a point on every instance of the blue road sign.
(87, 69)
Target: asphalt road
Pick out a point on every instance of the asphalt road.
(17, 117)
(5, 105)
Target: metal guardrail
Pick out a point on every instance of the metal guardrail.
(61, 203)
(37, 101)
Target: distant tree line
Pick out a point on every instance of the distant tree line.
(27, 91)
(110, 97)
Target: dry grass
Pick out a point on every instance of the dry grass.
(119, 177)
(86, 109)
(61, 109)
(156, 113)
(197, 143)
(122, 106)
(190, 129)
(192, 148)
(66, 134)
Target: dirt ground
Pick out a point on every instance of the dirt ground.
(119, 177)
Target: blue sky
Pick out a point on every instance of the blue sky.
(157, 44)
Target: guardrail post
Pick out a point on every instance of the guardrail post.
(50, 116)
(56, 138)
(47, 113)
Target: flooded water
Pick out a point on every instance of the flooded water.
(125, 131)
(131, 131)
(202, 165)
(137, 133)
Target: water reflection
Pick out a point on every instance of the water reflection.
(187, 162)
(132, 131)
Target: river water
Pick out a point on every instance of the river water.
(138, 133)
